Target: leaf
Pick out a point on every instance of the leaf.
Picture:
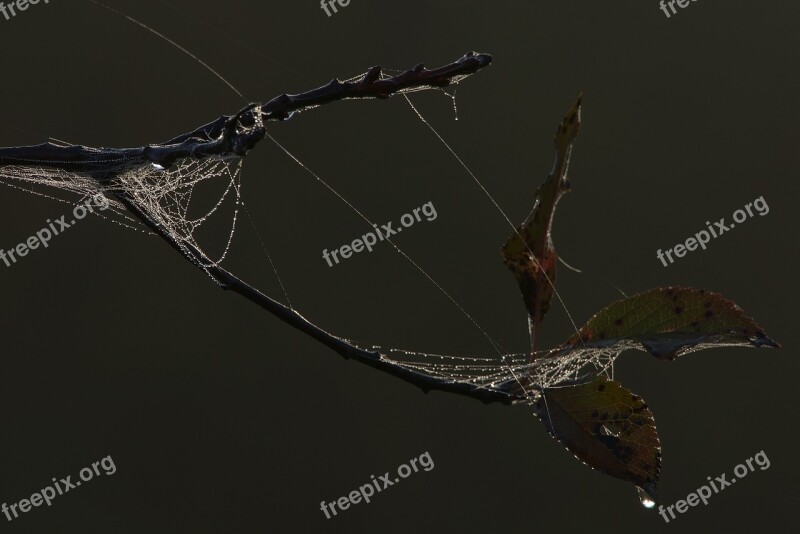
(529, 251)
(672, 321)
(607, 427)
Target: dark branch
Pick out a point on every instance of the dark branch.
(237, 134)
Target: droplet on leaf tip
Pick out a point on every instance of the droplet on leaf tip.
(645, 498)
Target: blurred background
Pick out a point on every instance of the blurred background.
(220, 418)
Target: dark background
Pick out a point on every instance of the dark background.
(220, 418)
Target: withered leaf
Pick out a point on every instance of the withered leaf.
(529, 251)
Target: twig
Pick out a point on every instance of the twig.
(237, 134)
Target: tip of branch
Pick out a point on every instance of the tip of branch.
(481, 60)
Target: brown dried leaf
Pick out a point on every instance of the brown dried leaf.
(529, 251)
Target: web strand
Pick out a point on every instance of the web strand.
(269, 256)
(496, 205)
(302, 165)
(176, 45)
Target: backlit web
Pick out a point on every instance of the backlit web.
(168, 198)
(165, 195)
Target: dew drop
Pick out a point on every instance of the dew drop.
(645, 498)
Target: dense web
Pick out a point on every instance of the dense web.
(164, 196)
(167, 197)
(519, 378)
(513, 375)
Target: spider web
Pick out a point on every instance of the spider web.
(167, 197)
(513, 375)
(164, 195)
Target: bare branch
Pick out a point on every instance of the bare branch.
(237, 134)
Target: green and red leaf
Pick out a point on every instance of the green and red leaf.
(600, 422)
(668, 322)
(607, 427)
